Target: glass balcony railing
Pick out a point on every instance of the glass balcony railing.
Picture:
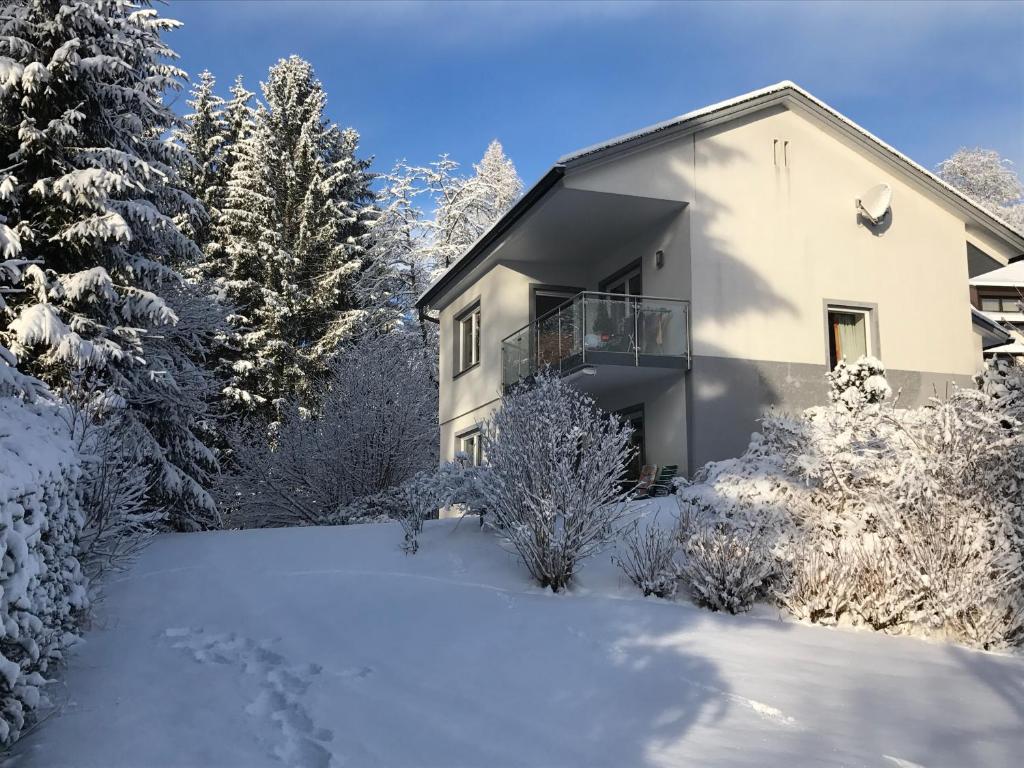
(600, 329)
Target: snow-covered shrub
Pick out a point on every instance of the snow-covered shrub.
(903, 520)
(647, 557)
(554, 467)
(42, 587)
(376, 427)
(1003, 380)
(454, 483)
(726, 567)
(857, 384)
(118, 514)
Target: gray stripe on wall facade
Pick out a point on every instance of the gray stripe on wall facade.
(726, 398)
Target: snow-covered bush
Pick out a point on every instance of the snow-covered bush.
(42, 587)
(452, 484)
(647, 557)
(727, 567)
(376, 428)
(901, 520)
(552, 487)
(1003, 380)
(857, 384)
(118, 514)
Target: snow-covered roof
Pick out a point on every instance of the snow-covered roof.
(1012, 275)
(1013, 348)
(713, 113)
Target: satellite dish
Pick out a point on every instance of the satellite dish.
(875, 203)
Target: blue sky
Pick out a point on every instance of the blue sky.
(417, 79)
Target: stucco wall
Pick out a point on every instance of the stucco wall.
(769, 233)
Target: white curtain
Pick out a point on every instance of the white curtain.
(851, 337)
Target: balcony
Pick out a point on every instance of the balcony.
(593, 329)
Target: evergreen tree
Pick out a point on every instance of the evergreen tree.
(89, 209)
(203, 137)
(236, 122)
(297, 218)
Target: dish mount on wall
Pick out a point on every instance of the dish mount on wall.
(875, 204)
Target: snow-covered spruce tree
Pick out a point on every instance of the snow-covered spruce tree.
(989, 179)
(297, 216)
(376, 428)
(553, 484)
(236, 123)
(203, 135)
(90, 202)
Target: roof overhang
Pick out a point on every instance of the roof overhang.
(787, 93)
(992, 333)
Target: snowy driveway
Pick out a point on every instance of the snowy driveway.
(328, 647)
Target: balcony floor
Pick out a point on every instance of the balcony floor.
(609, 379)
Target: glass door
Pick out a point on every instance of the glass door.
(615, 325)
(553, 339)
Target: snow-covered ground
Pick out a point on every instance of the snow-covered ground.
(322, 647)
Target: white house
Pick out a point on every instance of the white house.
(999, 295)
(699, 271)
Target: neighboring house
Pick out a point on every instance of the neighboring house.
(695, 273)
(999, 296)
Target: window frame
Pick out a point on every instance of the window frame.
(476, 434)
(871, 319)
(458, 351)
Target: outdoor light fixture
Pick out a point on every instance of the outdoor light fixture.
(659, 258)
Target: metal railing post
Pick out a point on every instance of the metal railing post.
(636, 333)
(583, 329)
(559, 339)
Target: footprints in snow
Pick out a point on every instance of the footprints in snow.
(280, 718)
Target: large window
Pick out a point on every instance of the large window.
(470, 444)
(467, 339)
(849, 334)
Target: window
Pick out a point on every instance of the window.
(1000, 303)
(470, 444)
(467, 339)
(848, 334)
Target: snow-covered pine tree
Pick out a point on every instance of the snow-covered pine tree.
(89, 204)
(237, 120)
(298, 212)
(988, 178)
(203, 136)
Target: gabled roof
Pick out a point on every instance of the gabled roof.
(1012, 276)
(706, 117)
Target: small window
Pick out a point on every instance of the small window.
(467, 340)
(1011, 305)
(848, 335)
(470, 444)
(990, 305)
